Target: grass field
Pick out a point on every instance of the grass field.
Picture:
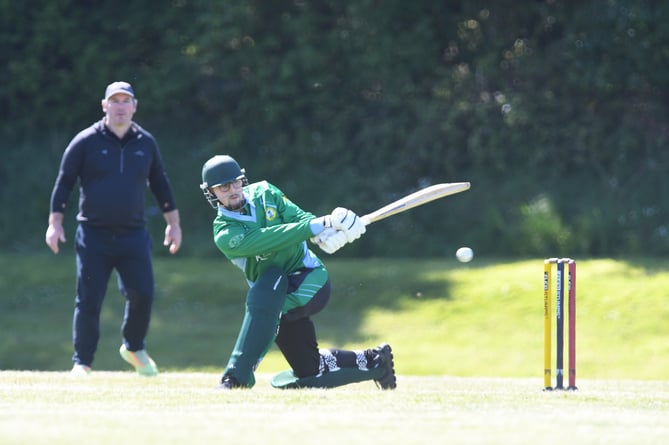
(468, 350)
(481, 319)
(183, 408)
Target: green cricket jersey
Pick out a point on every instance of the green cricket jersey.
(271, 231)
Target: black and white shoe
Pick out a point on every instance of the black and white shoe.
(384, 358)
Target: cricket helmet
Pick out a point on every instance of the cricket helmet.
(219, 170)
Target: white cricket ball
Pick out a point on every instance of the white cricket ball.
(464, 254)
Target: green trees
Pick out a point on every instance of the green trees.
(556, 112)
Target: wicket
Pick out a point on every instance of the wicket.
(559, 319)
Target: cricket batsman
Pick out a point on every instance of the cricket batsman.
(265, 235)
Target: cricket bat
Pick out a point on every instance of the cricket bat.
(416, 199)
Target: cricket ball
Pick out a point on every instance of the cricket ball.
(464, 254)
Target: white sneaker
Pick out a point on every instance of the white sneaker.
(79, 369)
(143, 364)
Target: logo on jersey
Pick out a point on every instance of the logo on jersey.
(270, 213)
(264, 257)
(236, 240)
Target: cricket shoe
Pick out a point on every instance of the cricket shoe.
(229, 382)
(143, 364)
(79, 369)
(384, 359)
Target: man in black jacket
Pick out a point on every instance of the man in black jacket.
(113, 160)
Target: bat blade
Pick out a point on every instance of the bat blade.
(416, 199)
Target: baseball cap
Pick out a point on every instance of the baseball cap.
(119, 87)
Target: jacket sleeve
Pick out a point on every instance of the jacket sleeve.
(68, 173)
(159, 182)
(238, 241)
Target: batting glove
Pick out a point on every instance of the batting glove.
(348, 222)
(330, 240)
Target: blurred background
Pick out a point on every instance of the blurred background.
(555, 110)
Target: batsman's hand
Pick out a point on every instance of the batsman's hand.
(348, 222)
(330, 240)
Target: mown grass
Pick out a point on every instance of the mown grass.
(467, 340)
(175, 408)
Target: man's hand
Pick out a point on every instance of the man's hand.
(55, 232)
(172, 238)
(348, 222)
(172, 231)
(330, 240)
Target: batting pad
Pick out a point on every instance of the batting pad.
(263, 309)
(332, 379)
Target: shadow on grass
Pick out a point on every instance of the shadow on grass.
(198, 309)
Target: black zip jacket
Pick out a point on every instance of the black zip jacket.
(113, 176)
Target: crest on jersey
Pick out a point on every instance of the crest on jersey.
(270, 213)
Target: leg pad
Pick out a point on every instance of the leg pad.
(263, 310)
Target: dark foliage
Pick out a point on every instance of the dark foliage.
(556, 111)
